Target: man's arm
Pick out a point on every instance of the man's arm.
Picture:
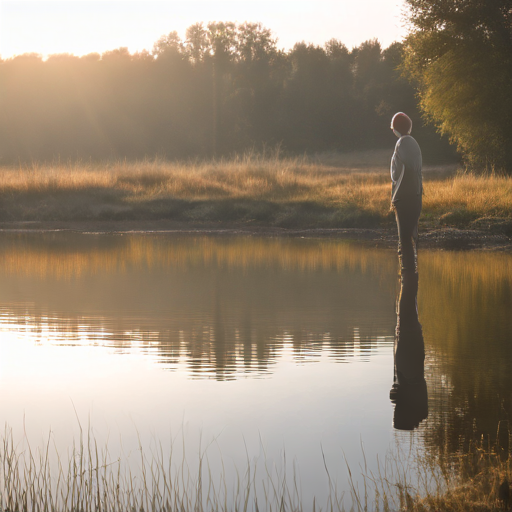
(397, 173)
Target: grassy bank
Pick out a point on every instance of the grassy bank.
(326, 192)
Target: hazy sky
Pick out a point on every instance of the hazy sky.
(84, 26)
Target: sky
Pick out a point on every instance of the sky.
(85, 26)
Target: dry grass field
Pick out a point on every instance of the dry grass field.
(325, 191)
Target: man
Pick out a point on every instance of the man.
(407, 190)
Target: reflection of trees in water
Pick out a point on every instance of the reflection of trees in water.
(243, 322)
(465, 307)
(219, 306)
(216, 344)
(258, 315)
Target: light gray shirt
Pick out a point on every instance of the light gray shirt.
(406, 165)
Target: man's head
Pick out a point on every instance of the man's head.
(401, 124)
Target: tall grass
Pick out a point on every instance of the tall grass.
(325, 191)
(88, 479)
(248, 189)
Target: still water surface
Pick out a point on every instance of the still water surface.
(269, 351)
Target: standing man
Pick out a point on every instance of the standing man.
(406, 191)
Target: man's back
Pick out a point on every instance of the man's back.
(406, 166)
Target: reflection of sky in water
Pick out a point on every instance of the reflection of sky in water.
(260, 344)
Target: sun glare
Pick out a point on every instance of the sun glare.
(85, 26)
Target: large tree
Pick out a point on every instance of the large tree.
(459, 53)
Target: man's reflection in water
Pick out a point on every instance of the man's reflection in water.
(409, 391)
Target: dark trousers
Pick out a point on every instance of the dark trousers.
(407, 216)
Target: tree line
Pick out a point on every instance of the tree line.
(225, 88)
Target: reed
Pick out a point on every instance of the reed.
(90, 480)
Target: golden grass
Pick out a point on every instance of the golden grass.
(482, 195)
(243, 177)
(468, 481)
(325, 191)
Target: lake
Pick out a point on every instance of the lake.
(220, 354)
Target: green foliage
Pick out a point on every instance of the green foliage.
(459, 53)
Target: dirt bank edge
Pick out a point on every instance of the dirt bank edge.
(434, 238)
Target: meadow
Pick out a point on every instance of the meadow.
(324, 191)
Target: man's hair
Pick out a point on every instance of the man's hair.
(401, 123)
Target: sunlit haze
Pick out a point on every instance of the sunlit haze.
(85, 26)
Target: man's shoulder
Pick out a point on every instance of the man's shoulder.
(407, 140)
(407, 143)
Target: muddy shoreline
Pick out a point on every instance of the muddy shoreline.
(432, 238)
